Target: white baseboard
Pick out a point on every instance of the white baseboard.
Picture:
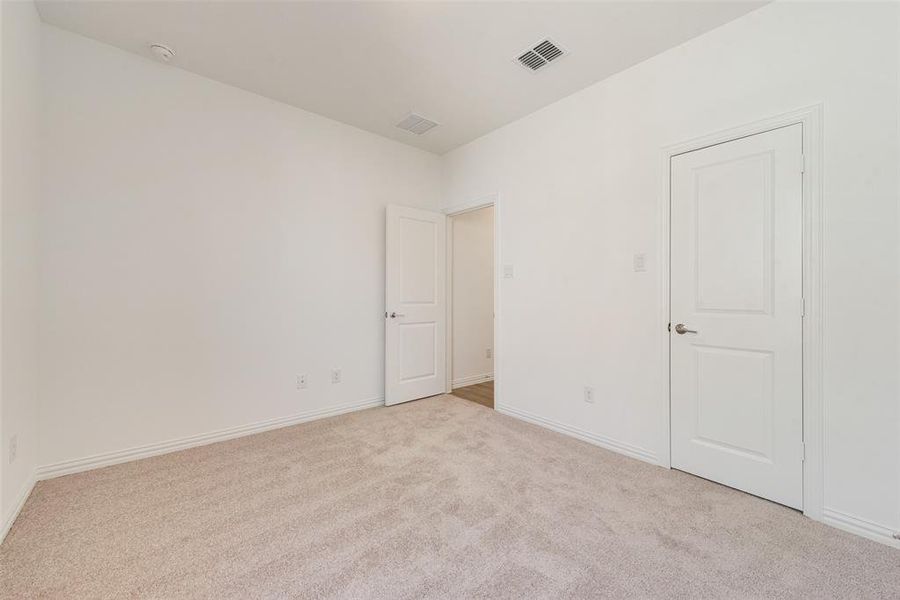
(10, 518)
(97, 461)
(862, 527)
(471, 380)
(592, 438)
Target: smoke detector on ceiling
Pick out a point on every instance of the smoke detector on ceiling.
(162, 52)
(540, 55)
(416, 124)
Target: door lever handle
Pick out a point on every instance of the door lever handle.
(394, 315)
(681, 329)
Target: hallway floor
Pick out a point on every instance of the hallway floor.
(480, 393)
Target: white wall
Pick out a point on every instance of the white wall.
(580, 185)
(19, 173)
(473, 295)
(201, 247)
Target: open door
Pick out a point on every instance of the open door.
(415, 329)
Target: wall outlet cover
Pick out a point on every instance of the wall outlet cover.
(588, 394)
(335, 376)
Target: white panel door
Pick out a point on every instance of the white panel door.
(415, 304)
(736, 314)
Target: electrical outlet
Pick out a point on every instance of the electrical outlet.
(508, 272)
(301, 382)
(13, 448)
(489, 353)
(588, 394)
(335, 376)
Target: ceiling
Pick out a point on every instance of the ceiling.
(369, 64)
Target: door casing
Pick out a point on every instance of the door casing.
(458, 209)
(813, 414)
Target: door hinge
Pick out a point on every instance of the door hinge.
(802, 307)
(803, 163)
(802, 451)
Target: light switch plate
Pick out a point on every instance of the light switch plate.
(640, 262)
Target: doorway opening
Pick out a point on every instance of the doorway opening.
(470, 304)
(419, 307)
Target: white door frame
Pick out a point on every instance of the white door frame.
(452, 211)
(813, 321)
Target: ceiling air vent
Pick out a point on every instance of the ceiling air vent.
(539, 55)
(416, 124)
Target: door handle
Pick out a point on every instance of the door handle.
(680, 329)
(394, 315)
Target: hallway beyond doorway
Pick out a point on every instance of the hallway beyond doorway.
(480, 393)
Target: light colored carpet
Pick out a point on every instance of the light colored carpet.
(439, 498)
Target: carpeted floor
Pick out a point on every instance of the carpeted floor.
(440, 498)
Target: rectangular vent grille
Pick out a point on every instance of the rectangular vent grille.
(540, 55)
(532, 60)
(417, 124)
